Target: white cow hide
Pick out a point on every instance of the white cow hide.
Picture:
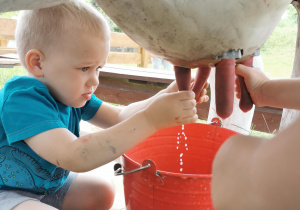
(191, 33)
(14, 5)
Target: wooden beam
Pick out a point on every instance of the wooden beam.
(4, 50)
(3, 42)
(123, 58)
(121, 40)
(145, 58)
(7, 28)
(9, 63)
(136, 73)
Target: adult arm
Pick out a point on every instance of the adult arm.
(255, 173)
(280, 93)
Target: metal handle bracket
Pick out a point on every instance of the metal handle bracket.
(118, 169)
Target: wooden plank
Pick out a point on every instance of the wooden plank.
(121, 40)
(9, 63)
(7, 28)
(124, 58)
(3, 42)
(10, 56)
(145, 58)
(137, 73)
(4, 50)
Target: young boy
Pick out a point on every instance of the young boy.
(63, 48)
(254, 173)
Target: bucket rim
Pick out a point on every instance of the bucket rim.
(174, 174)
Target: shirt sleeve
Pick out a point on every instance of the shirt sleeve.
(91, 108)
(29, 112)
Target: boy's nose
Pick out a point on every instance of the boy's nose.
(93, 80)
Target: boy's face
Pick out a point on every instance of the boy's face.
(71, 67)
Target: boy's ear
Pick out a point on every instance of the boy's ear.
(33, 60)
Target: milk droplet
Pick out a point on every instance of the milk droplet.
(187, 149)
(181, 169)
(181, 154)
(177, 147)
(181, 163)
(185, 138)
(185, 145)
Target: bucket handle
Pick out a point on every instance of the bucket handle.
(118, 169)
(149, 174)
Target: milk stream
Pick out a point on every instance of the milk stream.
(181, 137)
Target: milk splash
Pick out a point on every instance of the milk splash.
(181, 136)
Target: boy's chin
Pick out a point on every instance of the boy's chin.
(77, 105)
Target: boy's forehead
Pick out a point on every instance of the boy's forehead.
(76, 31)
(83, 46)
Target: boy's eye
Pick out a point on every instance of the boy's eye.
(84, 69)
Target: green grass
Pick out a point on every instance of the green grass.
(251, 133)
(6, 73)
(261, 134)
(279, 51)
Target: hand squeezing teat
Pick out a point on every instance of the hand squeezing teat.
(224, 78)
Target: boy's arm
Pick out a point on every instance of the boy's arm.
(264, 92)
(62, 148)
(110, 115)
(254, 173)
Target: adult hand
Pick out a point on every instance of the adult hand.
(203, 97)
(254, 80)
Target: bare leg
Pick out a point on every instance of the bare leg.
(90, 191)
(32, 204)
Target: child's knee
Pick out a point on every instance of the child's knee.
(109, 189)
(104, 194)
(91, 192)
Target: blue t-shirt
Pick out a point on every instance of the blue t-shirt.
(27, 109)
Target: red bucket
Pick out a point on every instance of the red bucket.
(172, 168)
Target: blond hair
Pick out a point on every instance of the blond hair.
(40, 29)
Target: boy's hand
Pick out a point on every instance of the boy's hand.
(254, 80)
(171, 109)
(203, 97)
